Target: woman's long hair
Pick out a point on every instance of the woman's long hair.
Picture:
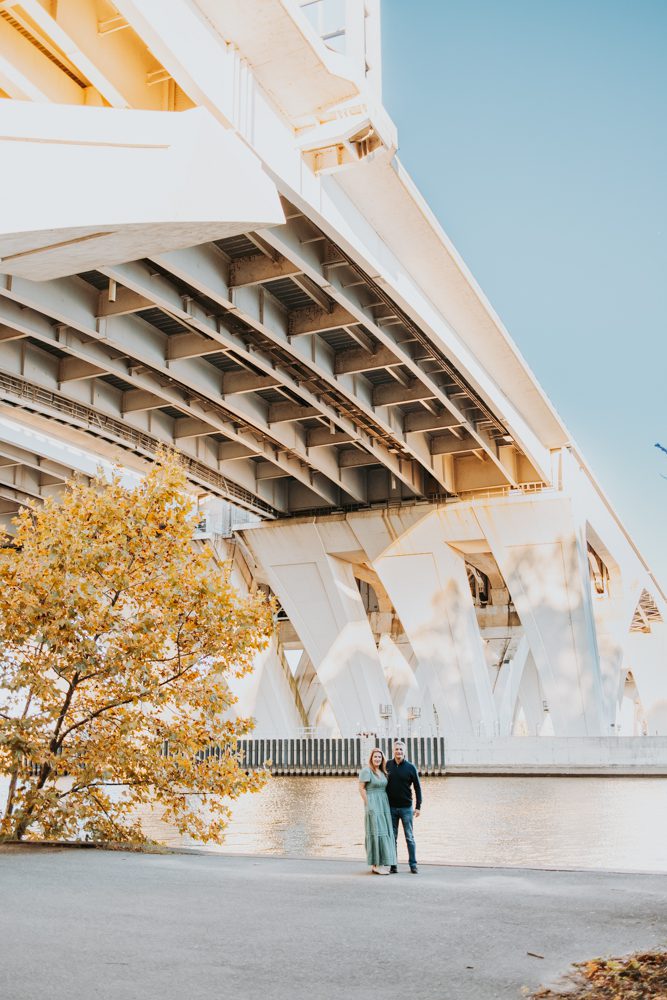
(383, 762)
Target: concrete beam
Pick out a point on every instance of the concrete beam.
(392, 394)
(37, 326)
(266, 470)
(287, 241)
(321, 437)
(240, 382)
(122, 301)
(280, 413)
(424, 420)
(191, 345)
(190, 427)
(28, 73)
(361, 361)
(135, 400)
(312, 290)
(313, 319)
(448, 444)
(7, 334)
(114, 62)
(258, 269)
(203, 268)
(354, 458)
(100, 430)
(72, 303)
(136, 276)
(74, 370)
(230, 451)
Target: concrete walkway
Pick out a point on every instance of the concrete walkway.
(91, 925)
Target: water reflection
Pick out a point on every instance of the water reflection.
(535, 822)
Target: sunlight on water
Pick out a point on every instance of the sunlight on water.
(613, 823)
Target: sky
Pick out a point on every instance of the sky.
(537, 131)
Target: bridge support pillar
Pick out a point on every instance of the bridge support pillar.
(647, 658)
(265, 694)
(427, 582)
(530, 699)
(319, 593)
(510, 686)
(541, 552)
(403, 685)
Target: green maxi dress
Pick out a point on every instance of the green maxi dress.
(380, 844)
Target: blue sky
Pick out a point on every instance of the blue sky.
(536, 129)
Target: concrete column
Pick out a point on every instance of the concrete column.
(647, 659)
(403, 686)
(530, 698)
(266, 695)
(427, 582)
(631, 719)
(613, 615)
(506, 690)
(541, 552)
(320, 595)
(314, 698)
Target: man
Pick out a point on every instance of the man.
(402, 778)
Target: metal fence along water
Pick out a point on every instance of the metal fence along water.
(313, 755)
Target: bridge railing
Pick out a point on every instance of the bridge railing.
(347, 755)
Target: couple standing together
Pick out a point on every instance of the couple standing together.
(386, 788)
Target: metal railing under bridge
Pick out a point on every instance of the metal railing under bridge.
(322, 756)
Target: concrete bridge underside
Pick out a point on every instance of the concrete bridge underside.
(222, 253)
(469, 619)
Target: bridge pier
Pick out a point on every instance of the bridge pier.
(319, 593)
(547, 644)
(538, 548)
(265, 694)
(427, 582)
(646, 657)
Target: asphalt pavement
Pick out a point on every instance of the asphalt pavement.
(97, 925)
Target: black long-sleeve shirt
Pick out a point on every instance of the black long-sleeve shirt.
(401, 778)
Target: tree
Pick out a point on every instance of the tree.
(116, 641)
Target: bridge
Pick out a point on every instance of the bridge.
(211, 244)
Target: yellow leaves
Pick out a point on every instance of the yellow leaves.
(635, 977)
(115, 632)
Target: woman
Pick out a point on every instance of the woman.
(380, 844)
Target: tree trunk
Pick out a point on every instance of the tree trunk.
(27, 817)
(9, 806)
(11, 793)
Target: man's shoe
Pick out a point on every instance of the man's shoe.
(393, 870)
(414, 870)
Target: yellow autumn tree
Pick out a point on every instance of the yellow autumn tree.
(116, 641)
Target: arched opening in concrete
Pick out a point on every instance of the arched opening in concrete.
(531, 713)
(647, 658)
(480, 587)
(631, 718)
(404, 716)
(646, 613)
(598, 570)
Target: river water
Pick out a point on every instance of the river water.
(553, 822)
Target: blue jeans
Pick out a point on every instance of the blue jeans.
(405, 816)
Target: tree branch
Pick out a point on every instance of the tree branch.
(137, 696)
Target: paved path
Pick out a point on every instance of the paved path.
(91, 925)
